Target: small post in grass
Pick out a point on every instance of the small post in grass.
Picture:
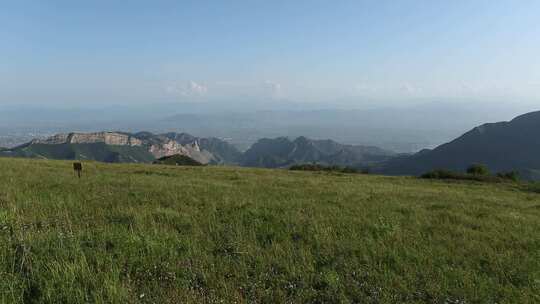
(78, 168)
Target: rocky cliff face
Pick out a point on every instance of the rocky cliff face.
(109, 138)
(172, 147)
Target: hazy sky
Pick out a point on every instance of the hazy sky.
(151, 51)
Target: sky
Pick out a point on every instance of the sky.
(143, 52)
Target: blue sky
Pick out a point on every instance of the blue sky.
(119, 51)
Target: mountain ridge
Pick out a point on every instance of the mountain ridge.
(284, 152)
(126, 147)
(147, 147)
(502, 146)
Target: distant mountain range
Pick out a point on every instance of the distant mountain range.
(502, 146)
(141, 147)
(145, 147)
(283, 152)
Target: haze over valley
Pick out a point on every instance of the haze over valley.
(399, 128)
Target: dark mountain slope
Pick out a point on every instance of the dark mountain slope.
(282, 152)
(88, 151)
(502, 146)
(177, 160)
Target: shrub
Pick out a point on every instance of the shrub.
(510, 175)
(307, 167)
(348, 170)
(478, 169)
(318, 167)
(532, 187)
(440, 174)
(447, 174)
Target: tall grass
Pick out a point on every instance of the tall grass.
(157, 234)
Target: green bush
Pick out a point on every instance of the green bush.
(318, 167)
(474, 172)
(365, 170)
(478, 169)
(447, 174)
(440, 174)
(532, 187)
(510, 175)
(348, 170)
(307, 167)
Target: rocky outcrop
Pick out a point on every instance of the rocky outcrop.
(109, 138)
(158, 145)
(172, 147)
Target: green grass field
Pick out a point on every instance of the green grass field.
(157, 234)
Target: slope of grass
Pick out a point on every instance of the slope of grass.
(158, 234)
(94, 151)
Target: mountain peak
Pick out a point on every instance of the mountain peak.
(282, 152)
(529, 118)
(502, 146)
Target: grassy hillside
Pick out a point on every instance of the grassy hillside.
(157, 234)
(95, 151)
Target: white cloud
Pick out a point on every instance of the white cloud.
(386, 90)
(249, 88)
(273, 87)
(191, 88)
(437, 89)
(195, 88)
(409, 89)
(364, 88)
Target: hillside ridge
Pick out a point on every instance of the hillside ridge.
(502, 146)
(146, 147)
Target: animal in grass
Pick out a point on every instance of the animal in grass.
(77, 167)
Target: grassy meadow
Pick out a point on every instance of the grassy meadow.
(158, 234)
